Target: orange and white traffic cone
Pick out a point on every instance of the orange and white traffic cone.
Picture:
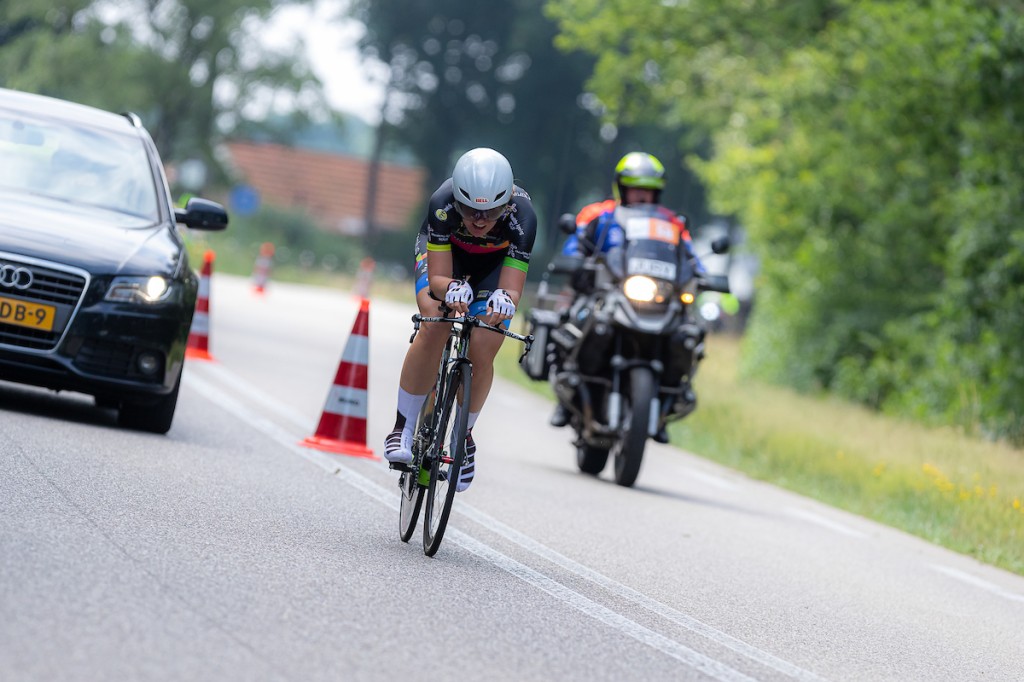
(363, 279)
(261, 270)
(342, 427)
(198, 346)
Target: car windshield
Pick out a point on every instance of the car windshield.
(77, 164)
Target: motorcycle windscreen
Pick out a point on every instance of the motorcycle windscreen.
(653, 247)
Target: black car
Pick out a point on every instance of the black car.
(96, 290)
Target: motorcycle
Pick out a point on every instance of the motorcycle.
(620, 354)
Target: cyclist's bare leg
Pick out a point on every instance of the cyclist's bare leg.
(482, 352)
(420, 367)
(418, 372)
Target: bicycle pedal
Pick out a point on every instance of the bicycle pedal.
(400, 466)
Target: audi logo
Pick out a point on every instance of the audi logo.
(14, 277)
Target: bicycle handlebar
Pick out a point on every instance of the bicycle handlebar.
(473, 321)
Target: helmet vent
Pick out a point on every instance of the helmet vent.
(500, 194)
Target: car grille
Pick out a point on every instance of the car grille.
(107, 359)
(50, 286)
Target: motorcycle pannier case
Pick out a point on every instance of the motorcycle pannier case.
(538, 361)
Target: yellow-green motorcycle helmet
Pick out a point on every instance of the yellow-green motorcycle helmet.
(638, 169)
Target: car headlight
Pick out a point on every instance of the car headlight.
(145, 290)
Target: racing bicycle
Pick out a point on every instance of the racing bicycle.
(439, 440)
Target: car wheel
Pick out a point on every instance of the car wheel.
(153, 417)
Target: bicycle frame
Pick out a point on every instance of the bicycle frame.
(440, 434)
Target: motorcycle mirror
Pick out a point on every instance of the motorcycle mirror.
(721, 245)
(719, 283)
(567, 223)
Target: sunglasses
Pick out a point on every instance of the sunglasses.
(470, 213)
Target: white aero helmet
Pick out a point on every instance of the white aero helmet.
(482, 179)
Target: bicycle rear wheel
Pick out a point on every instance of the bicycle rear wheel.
(447, 452)
(409, 510)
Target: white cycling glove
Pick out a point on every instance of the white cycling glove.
(459, 291)
(501, 303)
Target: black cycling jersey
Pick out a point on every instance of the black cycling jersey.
(508, 244)
(512, 236)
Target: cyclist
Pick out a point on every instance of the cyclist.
(472, 253)
(639, 179)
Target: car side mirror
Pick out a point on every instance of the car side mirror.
(202, 214)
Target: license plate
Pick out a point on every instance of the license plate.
(25, 314)
(654, 268)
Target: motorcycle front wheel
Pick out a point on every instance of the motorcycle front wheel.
(629, 450)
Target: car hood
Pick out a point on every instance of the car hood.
(101, 242)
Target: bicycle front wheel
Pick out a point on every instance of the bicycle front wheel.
(447, 450)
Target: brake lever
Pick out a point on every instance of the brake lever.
(527, 344)
(415, 326)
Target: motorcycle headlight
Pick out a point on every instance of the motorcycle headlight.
(640, 288)
(145, 290)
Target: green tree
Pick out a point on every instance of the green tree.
(192, 69)
(871, 149)
(465, 75)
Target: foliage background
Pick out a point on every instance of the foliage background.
(872, 152)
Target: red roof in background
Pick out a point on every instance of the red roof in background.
(331, 187)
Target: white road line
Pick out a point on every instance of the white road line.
(539, 580)
(638, 598)
(824, 522)
(228, 377)
(684, 654)
(977, 582)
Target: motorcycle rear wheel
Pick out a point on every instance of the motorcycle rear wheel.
(629, 450)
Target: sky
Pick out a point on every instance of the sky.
(332, 52)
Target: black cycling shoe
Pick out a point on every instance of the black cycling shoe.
(560, 417)
(661, 436)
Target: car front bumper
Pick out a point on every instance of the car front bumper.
(102, 352)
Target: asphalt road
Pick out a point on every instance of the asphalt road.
(227, 551)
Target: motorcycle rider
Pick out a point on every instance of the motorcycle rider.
(639, 179)
(472, 252)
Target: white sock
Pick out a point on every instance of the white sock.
(472, 419)
(409, 405)
(408, 409)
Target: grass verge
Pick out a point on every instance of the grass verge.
(954, 491)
